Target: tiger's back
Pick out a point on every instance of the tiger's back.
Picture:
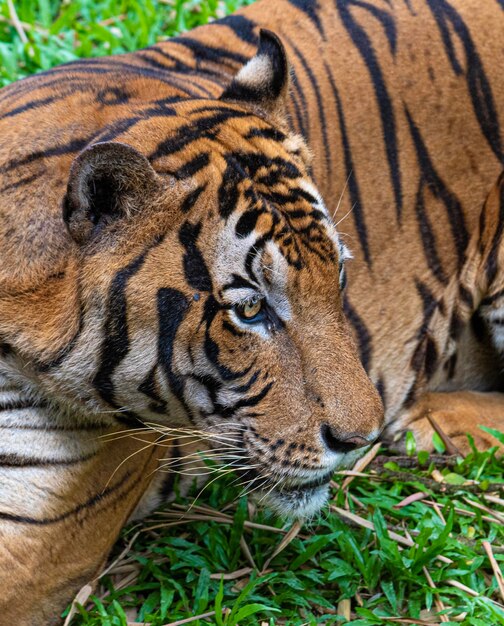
(401, 106)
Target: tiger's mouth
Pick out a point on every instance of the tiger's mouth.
(296, 495)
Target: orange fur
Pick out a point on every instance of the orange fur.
(122, 277)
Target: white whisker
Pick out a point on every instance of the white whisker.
(345, 216)
(342, 193)
(127, 459)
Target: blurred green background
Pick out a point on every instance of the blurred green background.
(38, 34)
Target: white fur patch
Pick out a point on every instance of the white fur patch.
(343, 251)
(33, 433)
(256, 73)
(302, 506)
(495, 317)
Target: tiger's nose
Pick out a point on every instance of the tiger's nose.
(337, 443)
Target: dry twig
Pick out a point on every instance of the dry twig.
(495, 567)
(16, 22)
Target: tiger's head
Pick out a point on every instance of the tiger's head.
(208, 276)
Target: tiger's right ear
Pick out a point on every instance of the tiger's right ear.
(263, 82)
(107, 181)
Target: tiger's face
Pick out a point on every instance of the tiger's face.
(211, 274)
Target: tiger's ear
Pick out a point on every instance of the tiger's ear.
(263, 82)
(107, 181)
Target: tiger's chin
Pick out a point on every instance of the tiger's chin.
(296, 499)
(299, 504)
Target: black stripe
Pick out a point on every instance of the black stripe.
(368, 54)
(481, 233)
(363, 334)
(195, 269)
(427, 235)
(191, 199)
(386, 20)
(212, 349)
(22, 181)
(301, 109)
(56, 361)
(247, 386)
(267, 133)
(351, 176)
(169, 482)
(229, 411)
(320, 103)
(310, 8)
(19, 405)
(74, 145)
(204, 127)
(255, 249)
(410, 8)
(116, 128)
(228, 189)
(247, 222)
(231, 329)
(450, 22)
(121, 126)
(492, 298)
(299, 128)
(44, 80)
(425, 356)
(211, 384)
(214, 75)
(89, 503)
(97, 498)
(491, 265)
(172, 307)
(29, 106)
(466, 296)
(410, 396)
(175, 81)
(456, 325)
(149, 388)
(112, 66)
(249, 163)
(380, 388)
(115, 345)
(15, 460)
(49, 427)
(129, 419)
(204, 52)
(440, 191)
(242, 27)
(429, 305)
(113, 95)
(67, 88)
(239, 282)
(193, 166)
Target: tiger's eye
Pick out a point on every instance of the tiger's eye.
(251, 309)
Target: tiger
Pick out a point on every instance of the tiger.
(278, 235)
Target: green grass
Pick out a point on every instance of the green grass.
(366, 557)
(51, 32)
(181, 559)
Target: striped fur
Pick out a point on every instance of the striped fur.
(146, 199)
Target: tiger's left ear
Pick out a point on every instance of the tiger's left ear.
(263, 82)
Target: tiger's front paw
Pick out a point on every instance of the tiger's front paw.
(452, 416)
